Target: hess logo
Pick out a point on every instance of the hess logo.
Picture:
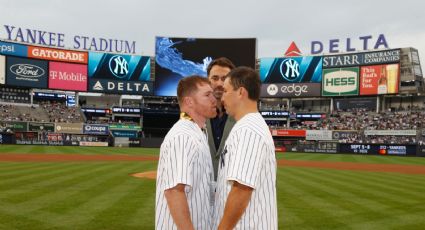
(118, 66)
(290, 69)
(272, 89)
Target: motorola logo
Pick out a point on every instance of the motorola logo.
(272, 89)
(118, 66)
(290, 69)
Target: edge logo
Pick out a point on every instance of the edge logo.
(297, 90)
(118, 66)
(27, 70)
(290, 69)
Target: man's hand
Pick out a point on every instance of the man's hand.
(179, 209)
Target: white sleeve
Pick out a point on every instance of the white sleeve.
(248, 155)
(179, 169)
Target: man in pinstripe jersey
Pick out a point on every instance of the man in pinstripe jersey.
(185, 172)
(246, 185)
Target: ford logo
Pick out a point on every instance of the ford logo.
(27, 70)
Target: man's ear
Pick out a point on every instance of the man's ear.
(242, 92)
(188, 101)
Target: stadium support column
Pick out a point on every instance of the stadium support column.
(288, 120)
(32, 96)
(377, 104)
(77, 101)
(331, 108)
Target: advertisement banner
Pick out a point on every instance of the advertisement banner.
(381, 149)
(67, 76)
(291, 90)
(7, 138)
(93, 144)
(25, 72)
(96, 129)
(288, 133)
(340, 82)
(41, 126)
(358, 59)
(344, 135)
(356, 102)
(7, 48)
(120, 74)
(76, 128)
(390, 132)
(319, 135)
(125, 127)
(15, 126)
(291, 70)
(124, 133)
(2, 69)
(379, 79)
(57, 54)
(176, 58)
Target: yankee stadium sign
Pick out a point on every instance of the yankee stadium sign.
(45, 38)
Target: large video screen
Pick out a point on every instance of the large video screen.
(177, 58)
(291, 70)
(119, 74)
(26, 72)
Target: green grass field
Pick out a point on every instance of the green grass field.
(102, 195)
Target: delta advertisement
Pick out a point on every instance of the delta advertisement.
(120, 74)
(379, 79)
(25, 72)
(358, 59)
(96, 129)
(340, 82)
(7, 48)
(291, 77)
(2, 69)
(67, 76)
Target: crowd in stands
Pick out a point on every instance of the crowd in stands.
(59, 112)
(12, 113)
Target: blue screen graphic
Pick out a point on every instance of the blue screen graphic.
(291, 70)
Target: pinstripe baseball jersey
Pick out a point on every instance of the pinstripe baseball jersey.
(249, 158)
(185, 159)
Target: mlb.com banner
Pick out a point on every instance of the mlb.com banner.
(120, 74)
(67, 76)
(96, 129)
(340, 82)
(26, 72)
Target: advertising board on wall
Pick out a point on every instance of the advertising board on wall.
(96, 129)
(75, 128)
(291, 90)
(379, 79)
(340, 82)
(57, 54)
(13, 49)
(67, 76)
(120, 74)
(359, 59)
(26, 72)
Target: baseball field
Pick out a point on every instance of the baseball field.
(44, 187)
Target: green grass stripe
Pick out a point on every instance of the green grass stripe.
(41, 187)
(19, 221)
(29, 177)
(374, 192)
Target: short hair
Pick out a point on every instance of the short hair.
(247, 78)
(221, 61)
(189, 85)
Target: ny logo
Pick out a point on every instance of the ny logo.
(290, 69)
(118, 66)
(222, 155)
